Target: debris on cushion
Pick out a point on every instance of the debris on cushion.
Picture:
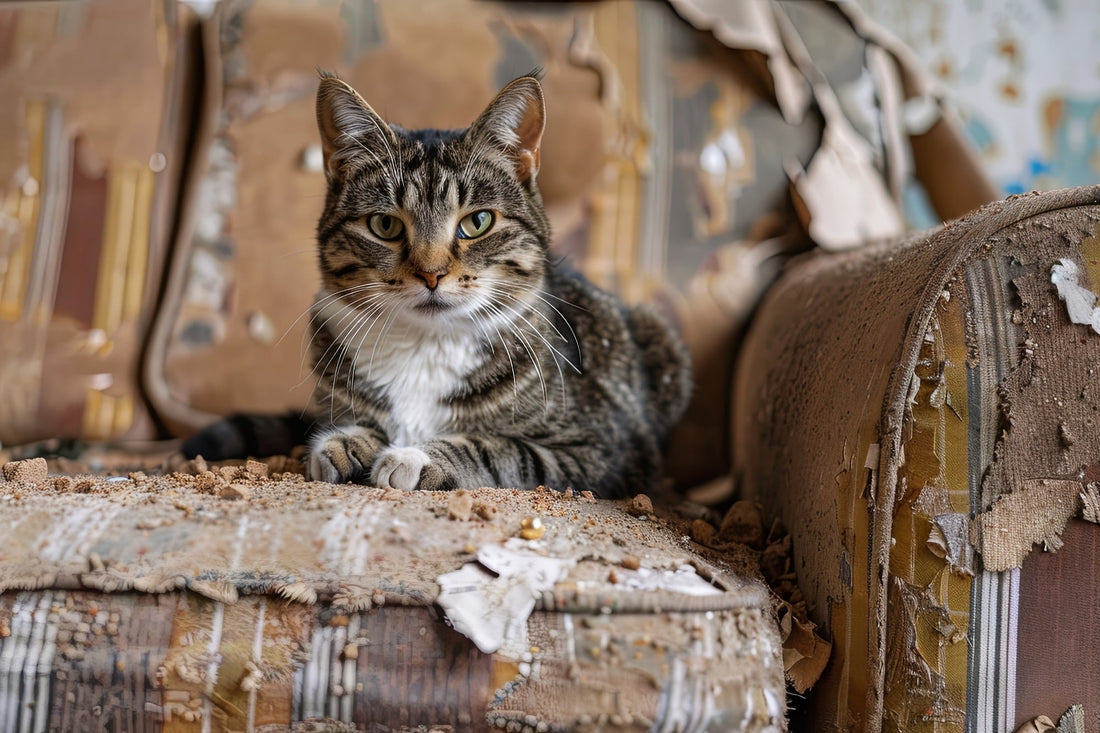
(31, 470)
(1080, 301)
(459, 505)
(640, 505)
(1041, 724)
(193, 515)
(180, 523)
(805, 652)
(489, 601)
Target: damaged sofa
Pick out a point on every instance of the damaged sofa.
(692, 148)
(942, 497)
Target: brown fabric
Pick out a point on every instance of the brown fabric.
(1060, 627)
(132, 662)
(94, 119)
(246, 599)
(837, 379)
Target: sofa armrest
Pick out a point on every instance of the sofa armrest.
(920, 414)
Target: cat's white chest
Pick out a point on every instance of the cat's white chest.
(417, 377)
(416, 367)
(417, 370)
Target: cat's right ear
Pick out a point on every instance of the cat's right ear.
(349, 127)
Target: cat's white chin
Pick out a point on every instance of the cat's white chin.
(446, 312)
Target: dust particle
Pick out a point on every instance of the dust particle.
(459, 505)
(744, 523)
(640, 505)
(255, 469)
(206, 481)
(32, 470)
(485, 510)
(703, 532)
(236, 491)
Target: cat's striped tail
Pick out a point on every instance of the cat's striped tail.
(244, 436)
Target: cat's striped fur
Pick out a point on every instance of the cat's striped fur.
(450, 349)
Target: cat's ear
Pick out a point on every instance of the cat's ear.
(348, 126)
(514, 122)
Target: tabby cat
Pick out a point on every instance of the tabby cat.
(451, 349)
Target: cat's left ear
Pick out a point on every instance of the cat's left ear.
(514, 122)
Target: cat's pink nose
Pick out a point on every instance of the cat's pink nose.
(432, 278)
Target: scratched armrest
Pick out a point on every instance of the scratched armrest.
(923, 415)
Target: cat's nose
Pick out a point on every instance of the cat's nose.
(431, 278)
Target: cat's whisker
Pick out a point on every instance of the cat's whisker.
(361, 302)
(362, 287)
(341, 314)
(481, 329)
(537, 333)
(336, 353)
(339, 356)
(576, 341)
(540, 293)
(381, 335)
(512, 366)
(352, 374)
(499, 289)
(557, 365)
(530, 350)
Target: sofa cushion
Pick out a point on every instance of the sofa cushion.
(238, 599)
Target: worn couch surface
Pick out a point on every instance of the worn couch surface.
(923, 415)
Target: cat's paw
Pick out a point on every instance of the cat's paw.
(399, 468)
(341, 456)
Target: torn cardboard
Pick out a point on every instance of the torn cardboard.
(805, 654)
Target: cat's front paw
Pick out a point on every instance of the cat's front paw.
(400, 468)
(341, 456)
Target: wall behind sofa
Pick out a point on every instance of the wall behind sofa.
(1024, 76)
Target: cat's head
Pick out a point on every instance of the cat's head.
(441, 224)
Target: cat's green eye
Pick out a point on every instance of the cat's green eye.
(475, 224)
(385, 226)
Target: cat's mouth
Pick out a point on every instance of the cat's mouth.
(433, 302)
